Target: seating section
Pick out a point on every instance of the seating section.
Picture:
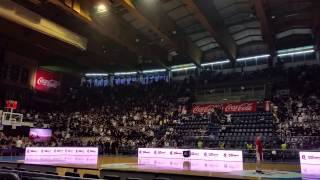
(244, 127)
(196, 126)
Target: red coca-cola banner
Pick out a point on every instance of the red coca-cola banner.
(240, 107)
(227, 107)
(48, 82)
(205, 108)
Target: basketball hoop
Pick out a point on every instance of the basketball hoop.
(9, 117)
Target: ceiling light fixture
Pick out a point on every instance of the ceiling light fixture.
(101, 8)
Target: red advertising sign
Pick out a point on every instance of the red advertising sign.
(227, 107)
(11, 104)
(48, 82)
(240, 107)
(204, 108)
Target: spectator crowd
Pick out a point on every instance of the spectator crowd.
(124, 117)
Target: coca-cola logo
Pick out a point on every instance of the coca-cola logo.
(49, 83)
(201, 109)
(243, 107)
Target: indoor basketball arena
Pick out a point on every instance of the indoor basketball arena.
(159, 89)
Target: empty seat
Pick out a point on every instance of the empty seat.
(92, 176)
(111, 177)
(20, 169)
(9, 176)
(72, 174)
(52, 173)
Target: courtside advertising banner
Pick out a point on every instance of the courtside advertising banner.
(191, 154)
(310, 164)
(194, 165)
(309, 157)
(47, 82)
(61, 151)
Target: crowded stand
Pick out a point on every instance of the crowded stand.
(121, 118)
(298, 109)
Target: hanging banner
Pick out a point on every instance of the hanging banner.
(48, 82)
(205, 108)
(227, 107)
(240, 107)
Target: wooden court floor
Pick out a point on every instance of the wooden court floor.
(131, 159)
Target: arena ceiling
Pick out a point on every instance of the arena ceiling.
(146, 34)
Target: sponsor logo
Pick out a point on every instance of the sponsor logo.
(205, 108)
(242, 107)
(213, 154)
(313, 157)
(50, 83)
(233, 155)
(304, 157)
(145, 152)
(161, 152)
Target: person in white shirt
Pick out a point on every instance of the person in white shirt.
(19, 145)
